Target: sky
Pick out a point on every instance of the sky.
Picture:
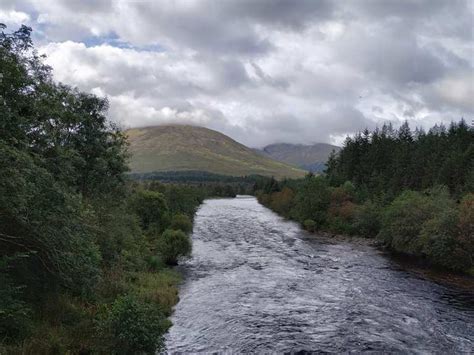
(262, 71)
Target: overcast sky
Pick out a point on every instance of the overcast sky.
(262, 71)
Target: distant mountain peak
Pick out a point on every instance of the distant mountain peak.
(178, 147)
(310, 157)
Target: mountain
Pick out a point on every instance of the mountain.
(186, 148)
(309, 157)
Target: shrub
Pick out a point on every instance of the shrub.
(403, 219)
(152, 210)
(131, 326)
(181, 222)
(309, 225)
(41, 218)
(367, 219)
(312, 200)
(340, 225)
(438, 240)
(466, 228)
(282, 201)
(172, 244)
(341, 209)
(159, 288)
(428, 224)
(15, 320)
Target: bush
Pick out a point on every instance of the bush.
(152, 210)
(466, 229)
(309, 225)
(312, 200)
(182, 222)
(41, 218)
(131, 326)
(430, 224)
(172, 244)
(159, 288)
(282, 201)
(403, 219)
(339, 225)
(15, 321)
(438, 240)
(367, 219)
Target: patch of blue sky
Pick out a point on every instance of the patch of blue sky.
(114, 41)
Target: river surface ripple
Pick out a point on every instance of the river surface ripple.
(257, 283)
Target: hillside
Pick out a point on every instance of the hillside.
(182, 148)
(308, 157)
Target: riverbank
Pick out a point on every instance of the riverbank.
(278, 289)
(406, 262)
(430, 225)
(133, 290)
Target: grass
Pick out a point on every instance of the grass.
(68, 326)
(160, 288)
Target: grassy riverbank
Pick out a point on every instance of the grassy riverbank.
(126, 307)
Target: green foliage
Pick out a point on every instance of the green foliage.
(385, 183)
(183, 199)
(181, 222)
(387, 160)
(282, 201)
(367, 219)
(159, 288)
(403, 220)
(40, 218)
(15, 314)
(74, 238)
(152, 209)
(309, 225)
(132, 326)
(429, 225)
(312, 200)
(466, 224)
(438, 240)
(172, 244)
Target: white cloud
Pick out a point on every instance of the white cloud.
(263, 71)
(13, 18)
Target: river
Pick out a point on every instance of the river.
(259, 283)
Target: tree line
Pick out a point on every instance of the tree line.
(413, 191)
(84, 251)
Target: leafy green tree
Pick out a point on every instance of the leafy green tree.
(181, 222)
(132, 326)
(438, 239)
(15, 314)
(388, 161)
(39, 218)
(152, 210)
(367, 219)
(172, 244)
(312, 200)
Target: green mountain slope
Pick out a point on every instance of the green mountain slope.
(182, 147)
(308, 157)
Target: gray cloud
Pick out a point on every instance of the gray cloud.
(263, 71)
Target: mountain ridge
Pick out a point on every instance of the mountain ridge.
(311, 157)
(185, 147)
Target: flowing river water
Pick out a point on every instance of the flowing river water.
(257, 283)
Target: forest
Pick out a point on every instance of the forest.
(411, 190)
(85, 252)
